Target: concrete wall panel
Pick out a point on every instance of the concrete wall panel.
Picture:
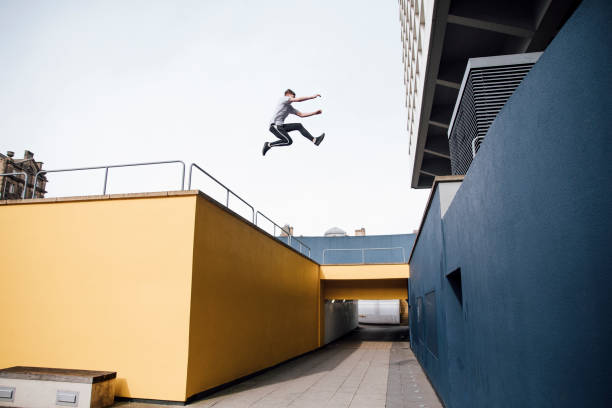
(347, 248)
(102, 285)
(373, 289)
(255, 303)
(340, 318)
(357, 272)
(526, 241)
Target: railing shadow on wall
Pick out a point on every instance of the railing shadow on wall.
(301, 247)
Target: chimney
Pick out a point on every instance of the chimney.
(28, 155)
(360, 232)
(10, 154)
(286, 230)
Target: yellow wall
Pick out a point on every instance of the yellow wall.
(372, 289)
(367, 271)
(173, 292)
(101, 285)
(254, 302)
(370, 281)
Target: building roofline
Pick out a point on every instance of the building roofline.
(432, 192)
(436, 45)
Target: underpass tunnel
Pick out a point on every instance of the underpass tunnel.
(364, 301)
(386, 311)
(359, 320)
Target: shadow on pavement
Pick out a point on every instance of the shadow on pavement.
(325, 359)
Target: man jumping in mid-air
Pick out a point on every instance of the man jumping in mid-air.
(281, 129)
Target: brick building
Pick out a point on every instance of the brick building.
(12, 185)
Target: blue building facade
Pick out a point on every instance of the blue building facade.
(393, 248)
(511, 278)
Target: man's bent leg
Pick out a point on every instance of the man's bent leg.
(299, 127)
(281, 134)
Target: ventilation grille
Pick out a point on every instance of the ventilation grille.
(485, 92)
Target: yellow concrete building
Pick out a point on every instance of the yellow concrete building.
(173, 291)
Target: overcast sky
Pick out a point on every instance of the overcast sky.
(86, 83)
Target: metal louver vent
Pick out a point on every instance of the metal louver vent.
(487, 85)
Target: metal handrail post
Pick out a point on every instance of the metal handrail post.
(25, 187)
(474, 141)
(105, 181)
(183, 177)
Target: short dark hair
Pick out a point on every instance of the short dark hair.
(289, 91)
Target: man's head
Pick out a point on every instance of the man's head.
(290, 93)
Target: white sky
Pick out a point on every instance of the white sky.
(109, 82)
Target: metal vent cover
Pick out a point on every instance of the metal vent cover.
(487, 85)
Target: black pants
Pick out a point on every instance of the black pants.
(282, 132)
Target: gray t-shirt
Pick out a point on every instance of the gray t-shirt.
(283, 109)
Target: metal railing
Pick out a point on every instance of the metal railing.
(363, 252)
(111, 167)
(227, 190)
(25, 188)
(476, 142)
(289, 236)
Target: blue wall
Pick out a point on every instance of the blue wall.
(319, 244)
(531, 231)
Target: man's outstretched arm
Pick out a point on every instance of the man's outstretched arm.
(305, 115)
(304, 98)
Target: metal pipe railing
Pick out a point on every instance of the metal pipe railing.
(227, 190)
(476, 142)
(363, 251)
(25, 187)
(289, 236)
(111, 167)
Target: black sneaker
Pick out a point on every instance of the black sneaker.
(266, 148)
(319, 139)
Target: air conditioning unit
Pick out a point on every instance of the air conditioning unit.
(487, 85)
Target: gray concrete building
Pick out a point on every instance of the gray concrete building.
(439, 37)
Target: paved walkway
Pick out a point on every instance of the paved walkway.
(373, 367)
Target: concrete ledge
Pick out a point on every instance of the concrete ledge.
(57, 374)
(432, 192)
(100, 197)
(160, 194)
(33, 387)
(365, 271)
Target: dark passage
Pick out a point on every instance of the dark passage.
(376, 332)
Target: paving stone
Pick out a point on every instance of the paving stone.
(355, 372)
